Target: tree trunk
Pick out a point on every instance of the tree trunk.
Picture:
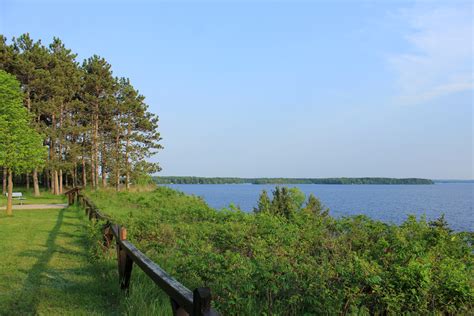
(74, 176)
(61, 181)
(35, 182)
(56, 182)
(117, 180)
(27, 182)
(92, 172)
(46, 176)
(10, 192)
(4, 190)
(96, 150)
(117, 161)
(84, 176)
(127, 163)
(52, 158)
(51, 181)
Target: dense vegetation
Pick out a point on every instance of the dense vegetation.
(96, 127)
(21, 147)
(203, 180)
(292, 258)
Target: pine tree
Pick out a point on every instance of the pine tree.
(315, 207)
(282, 203)
(138, 130)
(264, 203)
(98, 89)
(91, 121)
(65, 82)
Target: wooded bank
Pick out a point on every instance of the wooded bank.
(227, 180)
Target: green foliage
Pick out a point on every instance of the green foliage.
(287, 202)
(21, 147)
(202, 180)
(91, 122)
(268, 263)
(264, 203)
(314, 207)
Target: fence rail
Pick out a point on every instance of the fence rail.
(183, 300)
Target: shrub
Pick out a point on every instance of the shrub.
(299, 260)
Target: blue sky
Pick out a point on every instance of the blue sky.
(270, 89)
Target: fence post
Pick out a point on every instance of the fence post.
(69, 199)
(91, 214)
(73, 196)
(202, 301)
(107, 235)
(176, 309)
(125, 263)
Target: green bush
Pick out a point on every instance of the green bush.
(300, 261)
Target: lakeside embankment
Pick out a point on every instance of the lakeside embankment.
(292, 258)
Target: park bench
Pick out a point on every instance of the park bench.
(17, 196)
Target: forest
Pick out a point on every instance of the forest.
(224, 180)
(95, 127)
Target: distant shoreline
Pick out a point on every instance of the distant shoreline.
(346, 181)
(453, 181)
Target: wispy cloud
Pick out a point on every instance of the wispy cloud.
(440, 61)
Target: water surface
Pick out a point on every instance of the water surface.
(388, 203)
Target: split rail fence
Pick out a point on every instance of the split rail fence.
(183, 301)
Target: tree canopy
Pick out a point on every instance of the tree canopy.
(21, 147)
(96, 126)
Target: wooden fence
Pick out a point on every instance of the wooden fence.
(183, 300)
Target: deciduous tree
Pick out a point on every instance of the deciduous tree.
(21, 147)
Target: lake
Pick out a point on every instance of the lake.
(388, 203)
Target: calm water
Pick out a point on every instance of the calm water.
(389, 203)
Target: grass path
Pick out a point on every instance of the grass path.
(45, 268)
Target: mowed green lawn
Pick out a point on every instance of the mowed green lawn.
(46, 268)
(45, 198)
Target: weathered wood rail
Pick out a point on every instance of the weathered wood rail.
(183, 300)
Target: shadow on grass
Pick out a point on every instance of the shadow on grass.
(65, 284)
(26, 302)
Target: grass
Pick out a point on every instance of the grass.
(47, 267)
(45, 198)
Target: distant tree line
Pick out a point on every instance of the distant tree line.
(203, 180)
(96, 127)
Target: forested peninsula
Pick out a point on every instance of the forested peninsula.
(225, 180)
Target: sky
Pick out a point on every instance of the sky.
(285, 89)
